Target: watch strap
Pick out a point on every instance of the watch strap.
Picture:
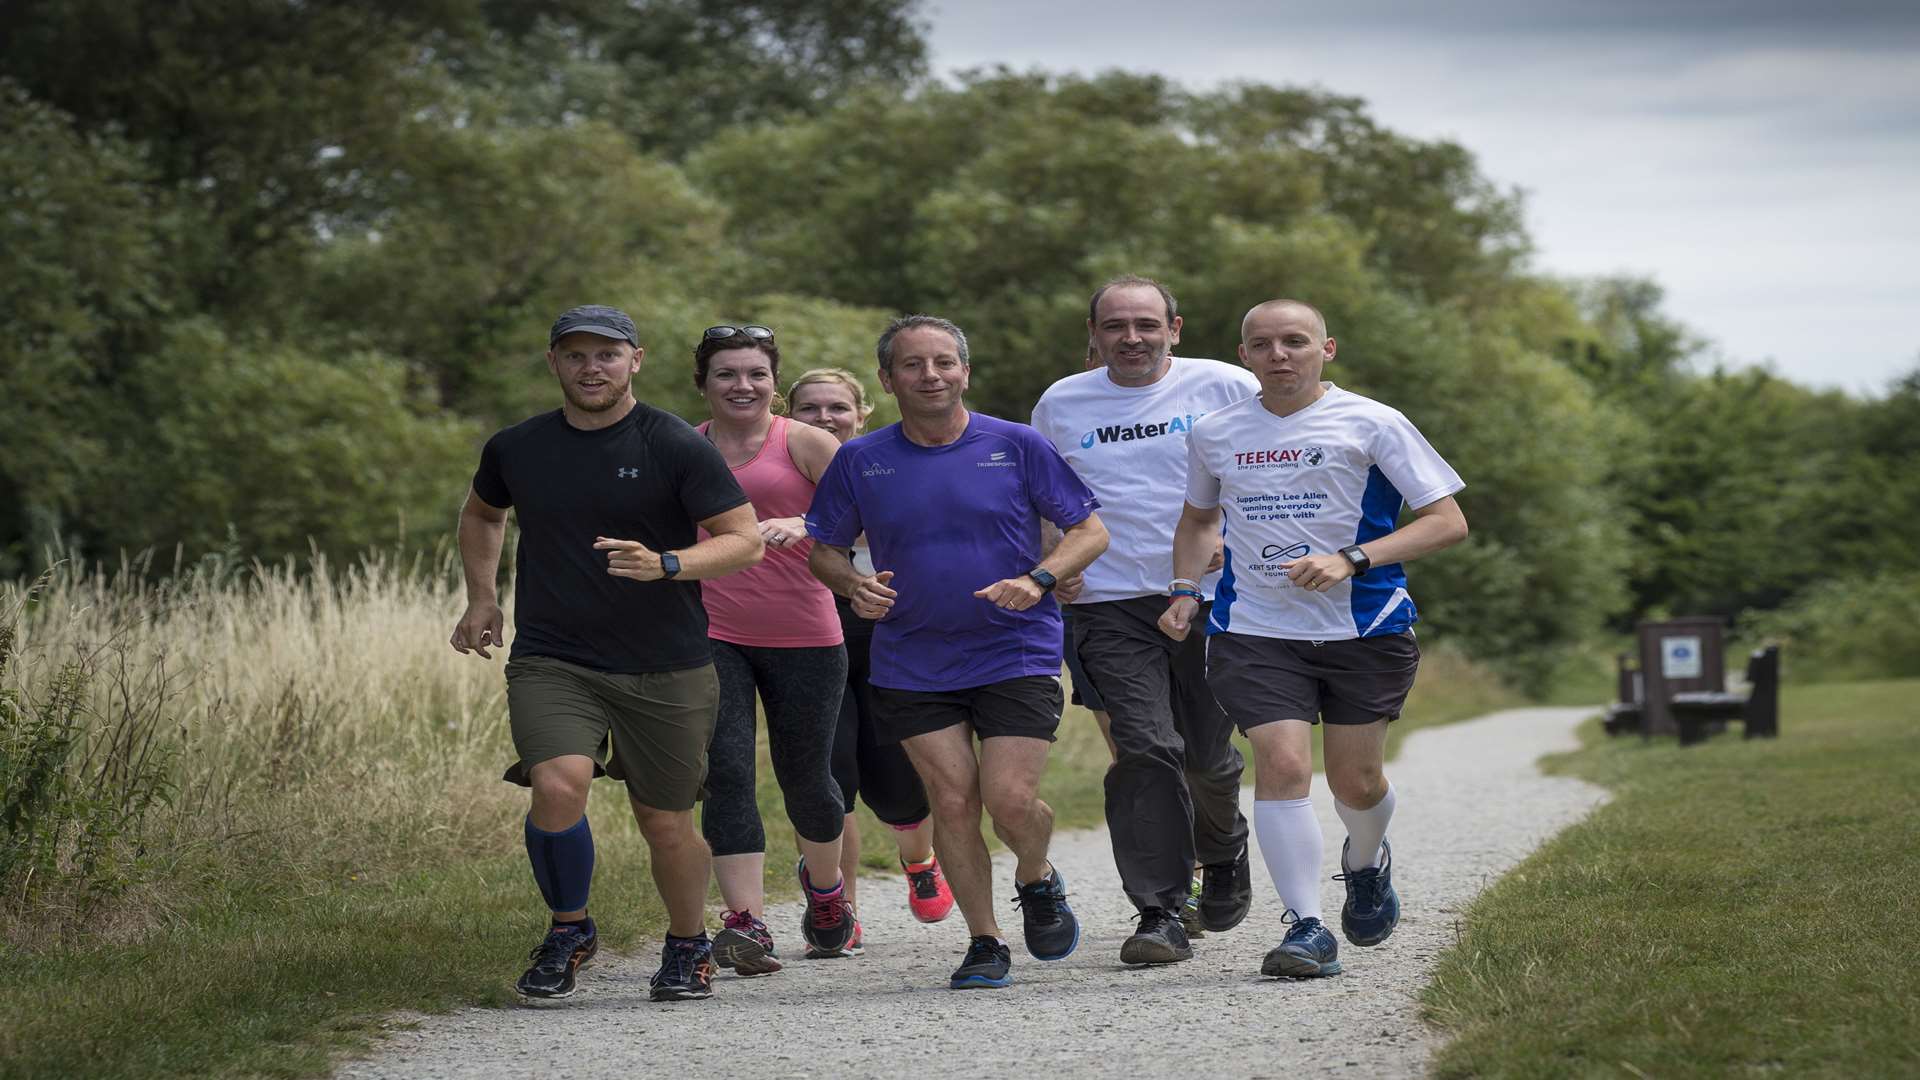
(1357, 559)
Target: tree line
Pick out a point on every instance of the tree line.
(271, 270)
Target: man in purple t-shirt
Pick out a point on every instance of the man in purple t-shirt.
(968, 640)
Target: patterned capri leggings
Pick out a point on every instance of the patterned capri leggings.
(801, 689)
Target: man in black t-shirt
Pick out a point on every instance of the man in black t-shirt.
(611, 636)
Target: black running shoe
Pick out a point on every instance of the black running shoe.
(1372, 909)
(1052, 931)
(566, 950)
(1308, 951)
(988, 964)
(686, 970)
(1159, 939)
(1226, 893)
(827, 927)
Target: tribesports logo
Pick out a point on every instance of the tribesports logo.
(997, 459)
(627, 474)
(1279, 458)
(1179, 425)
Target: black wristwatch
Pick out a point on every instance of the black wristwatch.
(1045, 580)
(669, 564)
(1361, 564)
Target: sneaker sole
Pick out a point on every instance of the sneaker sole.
(1297, 967)
(679, 995)
(1070, 948)
(1223, 927)
(843, 953)
(981, 982)
(748, 958)
(535, 996)
(1365, 942)
(1151, 952)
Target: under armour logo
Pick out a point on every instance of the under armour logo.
(628, 474)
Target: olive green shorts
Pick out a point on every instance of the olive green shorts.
(660, 724)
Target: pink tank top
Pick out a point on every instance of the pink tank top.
(776, 603)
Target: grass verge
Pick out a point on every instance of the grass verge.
(1740, 908)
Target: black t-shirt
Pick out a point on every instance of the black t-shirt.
(650, 477)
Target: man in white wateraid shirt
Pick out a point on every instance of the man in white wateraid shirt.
(1173, 793)
(1312, 621)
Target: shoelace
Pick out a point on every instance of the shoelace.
(1152, 919)
(925, 884)
(679, 963)
(1297, 927)
(980, 950)
(824, 911)
(1366, 887)
(736, 920)
(1039, 898)
(556, 951)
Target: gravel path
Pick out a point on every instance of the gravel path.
(1471, 805)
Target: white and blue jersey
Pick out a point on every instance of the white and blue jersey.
(1332, 474)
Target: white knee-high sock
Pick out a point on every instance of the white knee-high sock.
(1365, 829)
(1291, 846)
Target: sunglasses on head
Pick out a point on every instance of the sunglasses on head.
(752, 330)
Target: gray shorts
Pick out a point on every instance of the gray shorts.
(659, 723)
(1258, 680)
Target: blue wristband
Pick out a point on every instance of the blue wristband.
(1195, 593)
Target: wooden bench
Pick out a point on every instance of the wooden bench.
(1700, 713)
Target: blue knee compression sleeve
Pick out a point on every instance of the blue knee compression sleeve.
(562, 864)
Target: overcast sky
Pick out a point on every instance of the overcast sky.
(1760, 159)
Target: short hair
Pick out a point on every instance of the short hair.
(883, 350)
(1301, 304)
(1125, 281)
(834, 376)
(703, 353)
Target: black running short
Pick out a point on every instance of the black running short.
(1258, 680)
(1028, 706)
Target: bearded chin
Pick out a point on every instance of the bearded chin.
(613, 395)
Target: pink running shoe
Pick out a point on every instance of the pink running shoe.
(927, 893)
(745, 945)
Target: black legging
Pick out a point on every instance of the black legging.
(881, 774)
(801, 689)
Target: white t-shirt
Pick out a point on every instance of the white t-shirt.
(1333, 474)
(1129, 443)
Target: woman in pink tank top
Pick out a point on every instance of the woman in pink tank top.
(777, 637)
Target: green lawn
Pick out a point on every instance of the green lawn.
(1740, 908)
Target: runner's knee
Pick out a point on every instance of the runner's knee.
(1359, 786)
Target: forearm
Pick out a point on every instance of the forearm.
(1078, 547)
(718, 555)
(1424, 535)
(1194, 540)
(480, 541)
(834, 567)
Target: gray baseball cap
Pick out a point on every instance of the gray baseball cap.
(595, 319)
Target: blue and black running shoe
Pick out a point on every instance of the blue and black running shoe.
(988, 965)
(1308, 951)
(1052, 931)
(1372, 909)
(567, 948)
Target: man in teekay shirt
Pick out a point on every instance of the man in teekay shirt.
(1312, 622)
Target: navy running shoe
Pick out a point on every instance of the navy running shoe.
(567, 948)
(1308, 951)
(1372, 909)
(988, 965)
(1052, 931)
(686, 970)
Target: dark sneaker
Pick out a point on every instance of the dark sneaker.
(928, 896)
(827, 926)
(1159, 939)
(1308, 951)
(1052, 931)
(565, 951)
(686, 970)
(988, 964)
(1226, 893)
(1372, 909)
(744, 944)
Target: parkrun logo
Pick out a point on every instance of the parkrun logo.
(1285, 459)
(877, 469)
(1129, 433)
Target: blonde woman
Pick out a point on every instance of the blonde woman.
(833, 400)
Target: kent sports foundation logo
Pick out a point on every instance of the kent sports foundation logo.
(1179, 425)
(1288, 458)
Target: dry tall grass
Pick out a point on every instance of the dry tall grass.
(321, 721)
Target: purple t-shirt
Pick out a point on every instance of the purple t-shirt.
(949, 520)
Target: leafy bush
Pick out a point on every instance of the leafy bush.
(1860, 628)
